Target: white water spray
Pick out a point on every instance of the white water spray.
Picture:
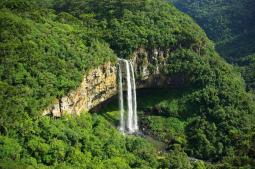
(122, 123)
(135, 119)
(132, 120)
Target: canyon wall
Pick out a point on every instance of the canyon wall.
(149, 67)
(100, 84)
(97, 86)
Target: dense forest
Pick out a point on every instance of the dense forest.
(231, 25)
(47, 46)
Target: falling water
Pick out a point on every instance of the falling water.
(129, 98)
(122, 123)
(131, 122)
(135, 121)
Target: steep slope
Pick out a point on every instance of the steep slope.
(46, 49)
(247, 65)
(221, 19)
(43, 56)
(230, 24)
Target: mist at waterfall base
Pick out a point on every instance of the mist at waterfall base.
(128, 116)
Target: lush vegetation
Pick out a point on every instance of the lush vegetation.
(247, 65)
(203, 133)
(230, 24)
(85, 142)
(46, 47)
(43, 56)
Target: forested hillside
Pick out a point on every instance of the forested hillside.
(230, 24)
(47, 46)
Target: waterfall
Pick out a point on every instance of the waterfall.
(121, 103)
(135, 121)
(129, 98)
(131, 124)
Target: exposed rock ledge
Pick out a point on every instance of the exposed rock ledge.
(97, 86)
(100, 84)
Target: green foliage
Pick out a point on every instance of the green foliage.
(43, 56)
(167, 129)
(47, 47)
(218, 18)
(9, 148)
(128, 25)
(220, 102)
(84, 142)
(230, 24)
(218, 107)
(199, 165)
(179, 160)
(247, 68)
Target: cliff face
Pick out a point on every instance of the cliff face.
(100, 84)
(149, 67)
(97, 86)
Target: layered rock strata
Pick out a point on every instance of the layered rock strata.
(97, 86)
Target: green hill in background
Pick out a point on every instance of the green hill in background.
(230, 24)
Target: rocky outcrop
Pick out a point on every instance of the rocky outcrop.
(97, 86)
(149, 66)
(100, 84)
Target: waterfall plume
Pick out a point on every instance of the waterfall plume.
(135, 121)
(128, 118)
(121, 103)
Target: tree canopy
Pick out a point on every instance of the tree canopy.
(46, 48)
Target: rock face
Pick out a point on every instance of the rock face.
(100, 84)
(149, 67)
(97, 86)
